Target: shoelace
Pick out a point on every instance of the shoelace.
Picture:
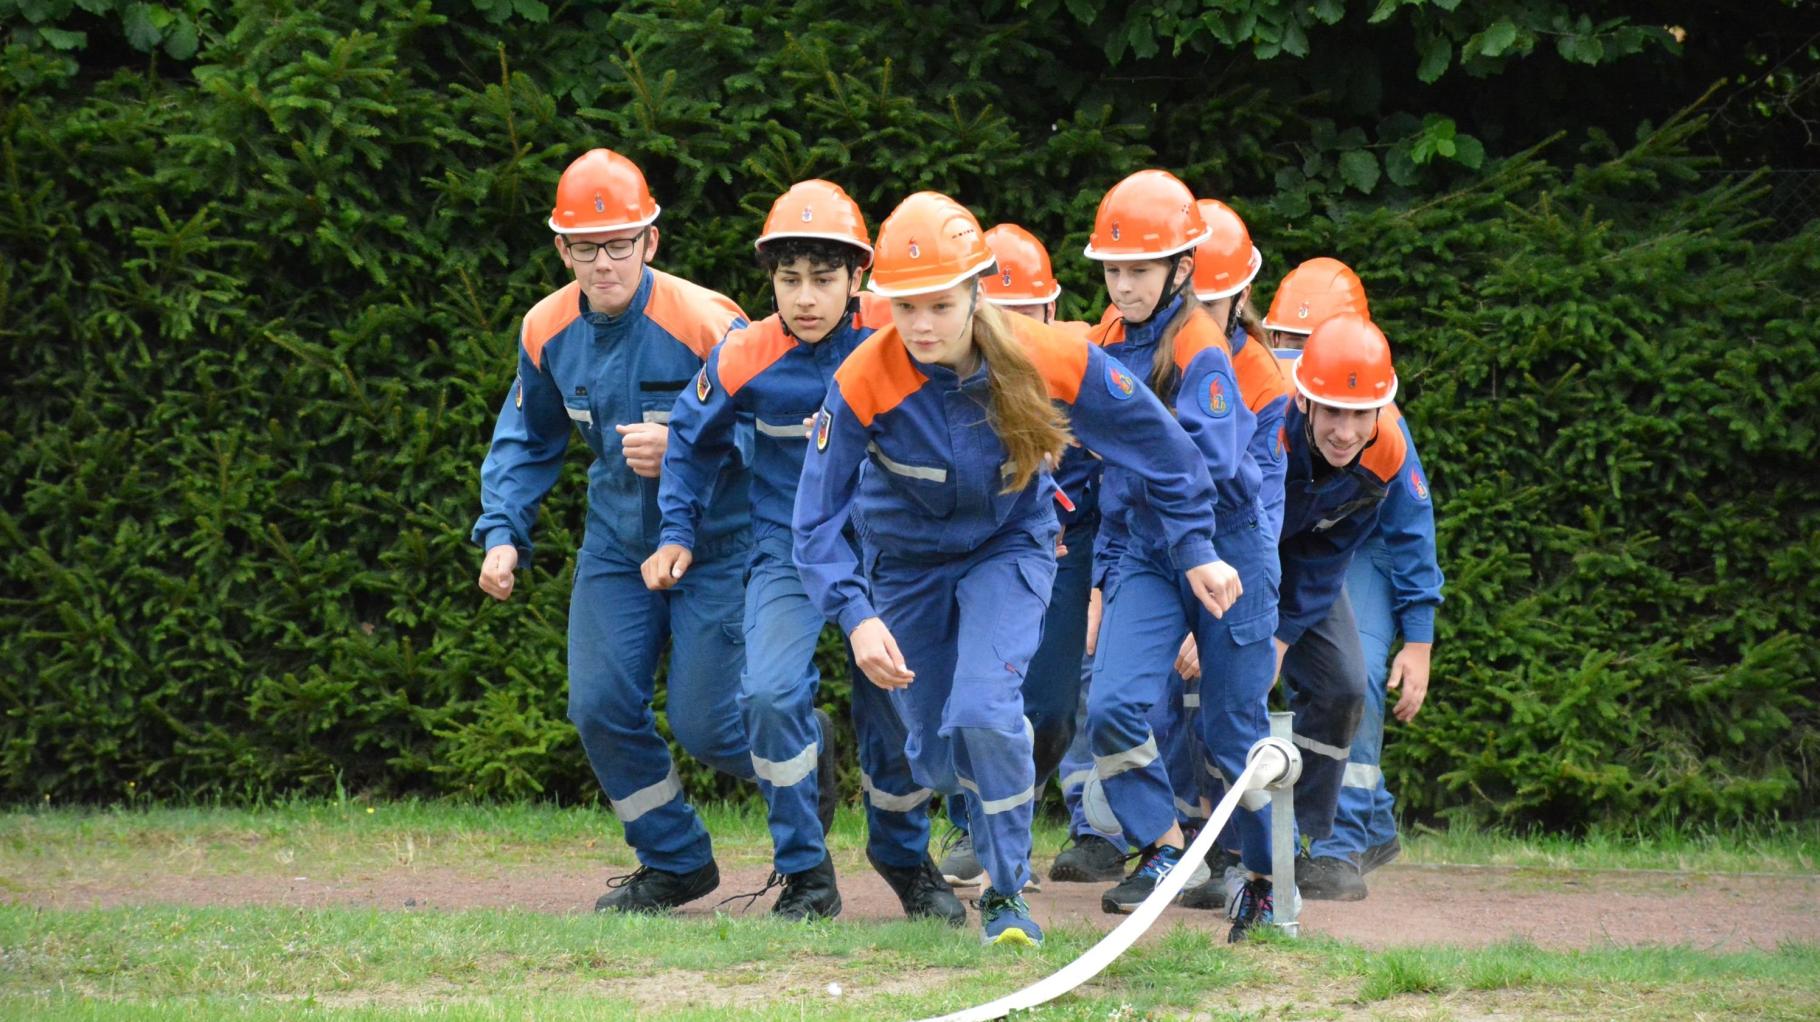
(628, 879)
(992, 903)
(954, 837)
(774, 881)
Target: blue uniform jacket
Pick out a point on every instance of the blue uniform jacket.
(764, 374)
(579, 369)
(1406, 527)
(1324, 523)
(1207, 405)
(909, 451)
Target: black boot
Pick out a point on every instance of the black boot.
(654, 890)
(810, 894)
(922, 891)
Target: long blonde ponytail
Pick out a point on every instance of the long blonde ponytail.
(1032, 429)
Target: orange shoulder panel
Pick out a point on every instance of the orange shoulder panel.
(1390, 415)
(1060, 357)
(1260, 379)
(751, 350)
(1196, 336)
(878, 376)
(548, 318)
(1074, 326)
(874, 312)
(692, 314)
(1385, 455)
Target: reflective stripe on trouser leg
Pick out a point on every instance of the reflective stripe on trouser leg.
(897, 807)
(1052, 685)
(1077, 765)
(777, 697)
(617, 629)
(1238, 660)
(1362, 818)
(1324, 673)
(1140, 633)
(1175, 722)
(968, 628)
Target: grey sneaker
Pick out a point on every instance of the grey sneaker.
(960, 864)
(1090, 859)
(1210, 894)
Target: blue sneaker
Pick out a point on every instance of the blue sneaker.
(1131, 892)
(1005, 919)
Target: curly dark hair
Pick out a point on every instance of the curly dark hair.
(821, 253)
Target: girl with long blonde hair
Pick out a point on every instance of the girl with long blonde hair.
(934, 446)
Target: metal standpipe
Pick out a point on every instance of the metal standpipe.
(1282, 839)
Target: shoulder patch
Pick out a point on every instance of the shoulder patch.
(1279, 446)
(518, 392)
(1216, 398)
(702, 386)
(1418, 487)
(823, 423)
(1119, 383)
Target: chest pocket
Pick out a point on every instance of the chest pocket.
(930, 486)
(582, 415)
(656, 398)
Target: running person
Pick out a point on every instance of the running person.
(1145, 233)
(814, 246)
(933, 443)
(1344, 455)
(607, 354)
(1023, 282)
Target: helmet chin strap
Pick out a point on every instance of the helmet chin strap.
(1171, 288)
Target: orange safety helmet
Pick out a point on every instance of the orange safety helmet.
(602, 191)
(817, 209)
(1227, 261)
(1149, 215)
(1346, 364)
(1024, 276)
(1314, 291)
(929, 243)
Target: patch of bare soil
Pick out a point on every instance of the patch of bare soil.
(1409, 905)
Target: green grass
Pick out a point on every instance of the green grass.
(261, 962)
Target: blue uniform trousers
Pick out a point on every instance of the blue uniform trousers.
(777, 700)
(617, 632)
(1364, 818)
(1324, 674)
(1149, 610)
(968, 627)
(1052, 688)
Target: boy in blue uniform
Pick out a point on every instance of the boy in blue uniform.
(1343, 457)
(608, 354)
(775, 373)
(1394, 586)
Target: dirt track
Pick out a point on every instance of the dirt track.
(1454, 905)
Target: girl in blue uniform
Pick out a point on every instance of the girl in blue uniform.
(933, 444)
(1145, 231)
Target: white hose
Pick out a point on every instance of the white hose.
(1268, 766)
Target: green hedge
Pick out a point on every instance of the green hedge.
(263, 268)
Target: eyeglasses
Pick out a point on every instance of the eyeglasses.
(617, 249)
